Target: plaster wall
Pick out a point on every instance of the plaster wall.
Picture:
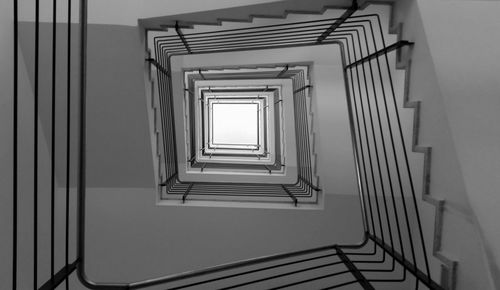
(458, 94)
(471, 98)
(125, 12)
(118, 139)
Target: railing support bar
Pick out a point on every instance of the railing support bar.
(338, 22)
(354, 270)
(181, 36)
(301, 89)
(383, 51)
(158, 65)
(59, 277)
(201, 74)
(184, 196)
(168, 179)
(295, 201)
(282, 72)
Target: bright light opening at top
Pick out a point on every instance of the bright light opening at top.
(235, 124)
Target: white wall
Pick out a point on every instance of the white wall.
(445, 77)
(117, 120)
(126, 12)
(465, 53)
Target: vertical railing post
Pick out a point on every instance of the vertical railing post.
(53, 140)
(35, 147)
(14, 147)
(68, 141)
(81, 141)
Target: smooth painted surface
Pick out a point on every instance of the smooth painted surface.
(127, 12)
(118, 149)
(439, 54)
(245, 14)
(465, 52)
(118, 136)
(138, 240)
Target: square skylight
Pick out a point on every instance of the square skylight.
(234, 124)
(229, 137)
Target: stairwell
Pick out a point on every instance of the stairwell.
(401, 86)
(149, 241)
